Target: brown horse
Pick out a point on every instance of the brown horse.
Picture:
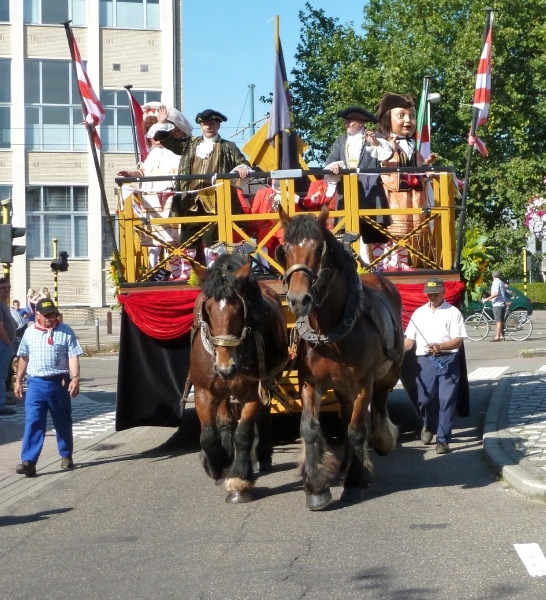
(239, 345)
(349, 338)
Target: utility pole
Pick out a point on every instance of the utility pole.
(251, 116)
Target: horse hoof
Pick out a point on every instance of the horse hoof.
(353, 494)
(239, 497)
(262, 466)
(318, 501)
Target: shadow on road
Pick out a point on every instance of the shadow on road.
(32, 518)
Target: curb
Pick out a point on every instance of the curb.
(15, 487)
(500, 448)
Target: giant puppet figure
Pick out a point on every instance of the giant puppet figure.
(156, 196)
(397, 123)
(208, 154)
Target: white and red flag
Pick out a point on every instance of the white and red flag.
(138, 122)
(423, 123)
(482, 93)
(93, 112)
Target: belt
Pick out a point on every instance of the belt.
(50, 377)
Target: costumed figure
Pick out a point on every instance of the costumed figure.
(204, 154)
(267, 200)
(156, 196)
(397, 122)
(363, 149)
(321, 191)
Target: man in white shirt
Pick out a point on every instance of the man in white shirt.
(437, 330)
(498, 299)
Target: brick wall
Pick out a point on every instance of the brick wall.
(52, 167)
(51, 41)
(73, 285)
(6, 166)
(5, 40)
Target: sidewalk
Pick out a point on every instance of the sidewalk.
(514, 437)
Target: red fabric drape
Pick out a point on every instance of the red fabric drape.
(413, 296)
(161, 315)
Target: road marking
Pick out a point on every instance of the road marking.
(532, 557)
(486, 373)
(542, 369)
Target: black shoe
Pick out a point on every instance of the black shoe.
(27, 468)
(442, 448)
(426, 436)
(6, 410)
(67, 463)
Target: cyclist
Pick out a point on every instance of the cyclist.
(498, 299)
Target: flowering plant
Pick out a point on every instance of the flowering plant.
(535, 217)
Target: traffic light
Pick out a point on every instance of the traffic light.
(61, 262)
(7, 249)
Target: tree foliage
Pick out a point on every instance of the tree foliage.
(400, 42)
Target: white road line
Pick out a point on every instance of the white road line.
(532, 557)
(486, 373)
(542, 369)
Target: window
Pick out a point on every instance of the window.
(56, 212)
(5, 101)
(5, 192)
(132, 14)
(116, 129)
(54, 12)
(107, 245)
(4, 11)
(53, 114)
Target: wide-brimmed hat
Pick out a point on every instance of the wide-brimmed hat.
(433, 286)
(357, 113)
(210, 115)
(390, 101)
(46, 306)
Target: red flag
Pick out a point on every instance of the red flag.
(95, 112)
(482, 93)
(138, 120)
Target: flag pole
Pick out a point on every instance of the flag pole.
(473, 127)
(133, 124)
(426, 87)
(105, 206)
(277, 135)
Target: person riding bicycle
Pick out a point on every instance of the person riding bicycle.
(498, 299)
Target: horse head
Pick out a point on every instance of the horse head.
(224, 315)
(302, 257)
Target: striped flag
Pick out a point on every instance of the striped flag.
(423, 123)
(93, 112)
(482, 93)
(138, 122)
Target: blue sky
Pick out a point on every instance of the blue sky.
(229, 44)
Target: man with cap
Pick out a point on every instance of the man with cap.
(156, 196)
(48, 355)
(398, 123)
(362, 149)
(204, 154)
(498, 299)
(437, 330)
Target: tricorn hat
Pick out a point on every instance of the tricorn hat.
(433, 286)
(210, 115)
(46, 306)
(357, 113)
(390, 101)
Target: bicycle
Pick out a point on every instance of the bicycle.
(517, 325)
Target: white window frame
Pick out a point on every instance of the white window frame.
(115, 12)
(41, 214)
(77, 138)
(39, 11)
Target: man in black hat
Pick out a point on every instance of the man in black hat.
(362, 149)
(48, 355)
(437, 329)
(204, 154)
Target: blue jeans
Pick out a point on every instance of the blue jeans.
(6, 355)
(438, 393)
(43, 395)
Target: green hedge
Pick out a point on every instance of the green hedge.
(535, 291)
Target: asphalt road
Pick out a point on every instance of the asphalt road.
(146, 522)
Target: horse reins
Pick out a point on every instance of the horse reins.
(225, 341)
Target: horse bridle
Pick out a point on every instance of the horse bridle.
(225, 341)
(314, 278)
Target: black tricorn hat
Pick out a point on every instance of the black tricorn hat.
(357, 113)
(390, 101)
(210, 115)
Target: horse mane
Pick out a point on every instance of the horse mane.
(221, 282)
(303, 227)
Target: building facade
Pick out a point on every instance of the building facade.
(47, 173)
